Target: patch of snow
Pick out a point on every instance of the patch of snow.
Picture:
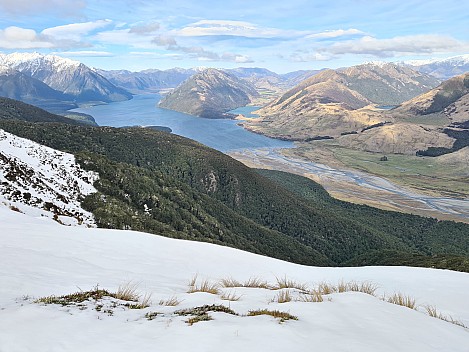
(41, 258)
(41, 181)
(459, 60)
(34, 61)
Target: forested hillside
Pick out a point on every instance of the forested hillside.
(165, 184)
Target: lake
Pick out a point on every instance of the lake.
(142, 110)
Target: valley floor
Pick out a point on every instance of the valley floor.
(337, 172)
(41, 258)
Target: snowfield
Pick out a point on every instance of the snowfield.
(39, 257)
(42, 181)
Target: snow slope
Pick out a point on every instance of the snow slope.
(39, 257)
(38, 180)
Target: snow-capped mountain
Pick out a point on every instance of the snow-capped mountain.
(41, 258)
(65, 75)
(41, 181)
(442, 68)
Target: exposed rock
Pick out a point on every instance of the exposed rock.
(42, 181)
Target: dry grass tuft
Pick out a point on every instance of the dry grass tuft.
(283, 316)
(313, 296)
(204, 286)
(363, 287)
(230, 282)
(433, 312)
(368, 287)
(325, 288)
(145, 301)
(203, 317)
(128, 292)
(230, 296)
(283, 297)
(171, 302)
(286, 283)
(402, 300)
(255, 282)
(77, 297)
(193, 281)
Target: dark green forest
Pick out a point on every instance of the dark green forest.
(165, 184)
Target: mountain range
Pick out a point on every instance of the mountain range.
(442, 68)
(19, 86)
(450, 98)
(336, 102)
(148, 80)
(77, 82)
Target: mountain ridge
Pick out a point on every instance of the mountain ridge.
(67, 76)
(210, 94)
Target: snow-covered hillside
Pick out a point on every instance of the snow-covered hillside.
(39, 258)
(67, 76)
(41, 181)
(442, 68)
(33, 62)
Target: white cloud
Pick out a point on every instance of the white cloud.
(145, 28)
(21, 38)
(233, 28)
(335, 33)
(75, 31)
(404, 45)
(85, 53)
(309, 57)
(240, 59)
(24, 38)
(164, 40)
(154, 55)
(170, 43)
(122, 37)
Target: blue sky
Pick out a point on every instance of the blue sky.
(283, 35)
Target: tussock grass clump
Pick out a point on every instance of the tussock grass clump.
(204, 317)
(433, 312)
(283, 297)
(145, 301)
(77, 297)
(230, 296)
(287, 283)
(205, 309)
(325, 288)
(252, 282)
(230, 282)
(204, 286)
(255, 282)
(193, 280)
(363, 287)
(128, 292)
(170, 302)
(313, 296)
(402, 300)
(283, 316)
(201, 313)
